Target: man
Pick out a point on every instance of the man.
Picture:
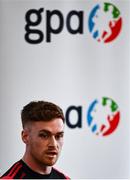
(43, 131)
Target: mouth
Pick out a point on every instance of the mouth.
(52, 153)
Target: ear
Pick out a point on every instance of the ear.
(25, 136)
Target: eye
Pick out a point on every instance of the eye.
(59, 136)
(44, 135)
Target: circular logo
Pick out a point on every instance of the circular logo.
(103, 116)
(105, 22)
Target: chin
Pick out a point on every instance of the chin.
(50, 162)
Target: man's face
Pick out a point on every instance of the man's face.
(44, 141)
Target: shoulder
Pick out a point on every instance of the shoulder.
(12, 172)
(59, 174)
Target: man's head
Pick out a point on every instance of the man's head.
(43, 129)
(40, 111)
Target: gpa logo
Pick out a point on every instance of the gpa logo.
(105, 22)
(103, 116)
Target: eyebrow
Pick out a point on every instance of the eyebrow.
(49, 132)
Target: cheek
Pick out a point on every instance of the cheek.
(37, 144)
(60, 143)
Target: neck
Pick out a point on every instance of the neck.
(35, 166)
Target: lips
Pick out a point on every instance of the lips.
(52, 153)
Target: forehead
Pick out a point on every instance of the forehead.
(55, 125)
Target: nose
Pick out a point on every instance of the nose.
(53, 141)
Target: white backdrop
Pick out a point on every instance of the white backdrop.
(71, 70)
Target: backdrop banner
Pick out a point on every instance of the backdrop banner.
(74, 53)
